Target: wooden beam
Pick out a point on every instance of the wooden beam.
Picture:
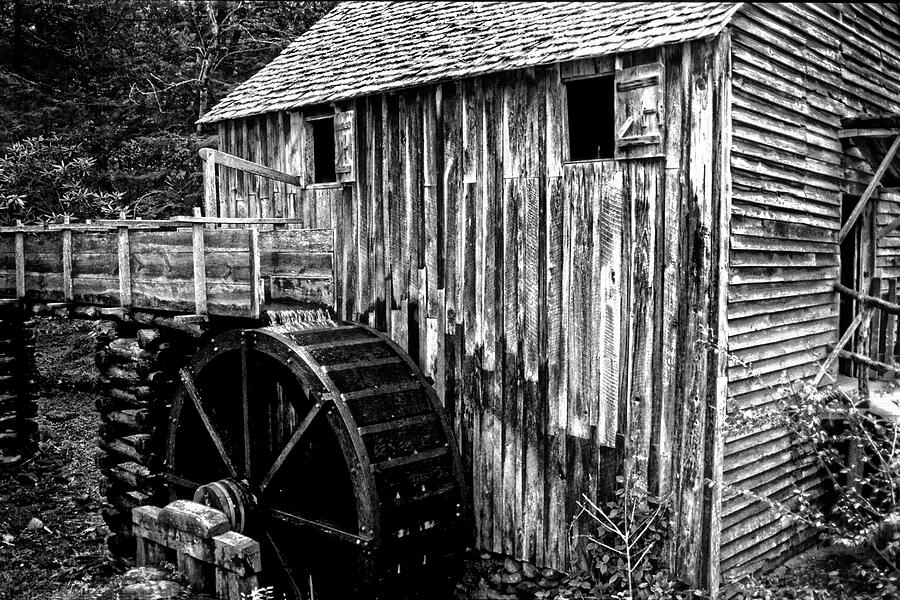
(257, 291)
(875, 132)
(873, 301)
(124, 252)
(236, 220)
(20, 265)
(68, 292)
(863, 315)
(870, 190)
(866, 361)
(228, 160)
(209, 182)
(199, 249)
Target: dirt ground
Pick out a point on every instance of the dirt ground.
(52, 538)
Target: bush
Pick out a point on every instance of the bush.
(626, 553)
(43, 179)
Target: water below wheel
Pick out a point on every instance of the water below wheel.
(325, 443)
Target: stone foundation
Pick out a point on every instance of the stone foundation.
(18, 429)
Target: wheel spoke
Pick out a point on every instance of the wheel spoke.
(191, 389)
(297, 521)
(284, 566)
(245, 403)
(289, 447)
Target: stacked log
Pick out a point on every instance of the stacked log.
(18, 429)
(138, 368)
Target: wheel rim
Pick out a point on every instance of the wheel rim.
(342, 445)
(249, 412)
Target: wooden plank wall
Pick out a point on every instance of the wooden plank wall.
(798, 69)
(547, 299)
(278, 141)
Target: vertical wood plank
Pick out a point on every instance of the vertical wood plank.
(124, 255)
(257, 289)
(209, 186)
(512, 392)
(68, 292)
(670, 264)
(257, 151)
(363, 207)
(198, 248)
(20, 264)
(375, 169)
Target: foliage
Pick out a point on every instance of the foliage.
(123, 82)
(43, 179)
(263, 593)
(859, 454)
(627, 554)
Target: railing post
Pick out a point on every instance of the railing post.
(20, 262)
(257, 289)
(209, 182)
(124, 251)
(199, 249)
(68, 291)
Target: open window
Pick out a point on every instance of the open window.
(323, 150)
(591, 112)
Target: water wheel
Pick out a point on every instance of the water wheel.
(326, 444)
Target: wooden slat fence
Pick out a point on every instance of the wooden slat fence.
(169, 267)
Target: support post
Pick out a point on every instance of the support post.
(198, 245)
(209, 182)
(124, 251)
(68, 291)
(20, 262)
(257, 290)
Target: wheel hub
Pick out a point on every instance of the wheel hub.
(231, 496)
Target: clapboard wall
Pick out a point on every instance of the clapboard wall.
(798, 69)
(564, 310)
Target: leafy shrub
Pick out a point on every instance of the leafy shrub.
(159, 173)
(43, 179)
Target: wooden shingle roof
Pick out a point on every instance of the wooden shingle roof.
(367, 47)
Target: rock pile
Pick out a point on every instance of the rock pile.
(138, 369)
(18, 429)
(504, 578)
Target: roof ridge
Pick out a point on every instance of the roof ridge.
(361, 48)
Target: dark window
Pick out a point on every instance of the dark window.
(323, 150)
(591, 118)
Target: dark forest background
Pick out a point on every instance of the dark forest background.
(99, 98)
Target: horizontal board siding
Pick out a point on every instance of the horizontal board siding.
(296, 265)
(797, 70)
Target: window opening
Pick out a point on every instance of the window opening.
(591, 109)
(323, 150)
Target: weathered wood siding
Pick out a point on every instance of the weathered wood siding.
(798, 69)
(562, 309)
(281, 142)
(157, 269)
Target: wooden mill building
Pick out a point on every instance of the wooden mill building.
(599, 228)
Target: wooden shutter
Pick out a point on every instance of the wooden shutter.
(344, 145)
(639, 111)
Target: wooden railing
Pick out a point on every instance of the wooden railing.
(234, 187)
(183, 265)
